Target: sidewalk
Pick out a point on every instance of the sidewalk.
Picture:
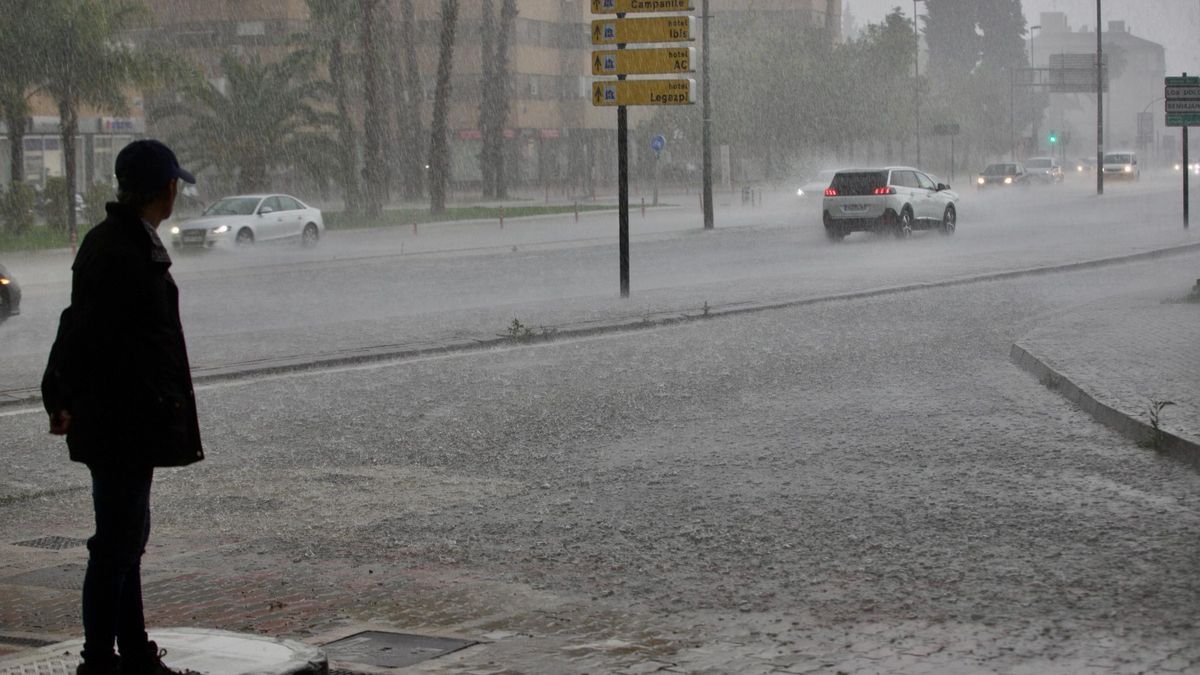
(1117, 358)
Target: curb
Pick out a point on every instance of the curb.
(1126, 424)
(660, 319)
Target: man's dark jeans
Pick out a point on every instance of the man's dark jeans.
(112, 588)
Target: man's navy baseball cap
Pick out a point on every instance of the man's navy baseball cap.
(146, 166)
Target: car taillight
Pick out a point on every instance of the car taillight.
(885, 191)
(831, 192)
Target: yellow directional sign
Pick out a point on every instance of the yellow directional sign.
(641, 31)
(632, 6)
(643, 92)
(664, 61)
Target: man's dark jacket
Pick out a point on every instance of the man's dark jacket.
(119, 364)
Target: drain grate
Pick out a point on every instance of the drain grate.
(391, 650)
(54, 543)
(66, 577)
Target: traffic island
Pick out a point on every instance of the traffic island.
(211, 652)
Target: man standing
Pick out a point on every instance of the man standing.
(119, 386)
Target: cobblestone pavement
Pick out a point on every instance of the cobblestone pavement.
(861, 487)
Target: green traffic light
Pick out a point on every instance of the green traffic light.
(1053, 137)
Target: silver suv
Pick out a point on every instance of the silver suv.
(894, 200)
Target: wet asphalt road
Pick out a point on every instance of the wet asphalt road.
(809, 480)
(856, 470)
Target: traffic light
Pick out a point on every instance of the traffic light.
(1053, 137)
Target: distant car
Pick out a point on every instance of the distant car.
(1044, 169)
(1003, 174)
(10, 295)
(894, 200)
(1122, 165)
(246, 219)
(1085, 165)
(816, 186)
(1193, 167)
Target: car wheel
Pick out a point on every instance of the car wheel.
(904, 226)
(244, 237)
(310, 236)
(949, 221)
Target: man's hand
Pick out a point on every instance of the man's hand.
(60, 422)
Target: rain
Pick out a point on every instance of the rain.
(867, 348)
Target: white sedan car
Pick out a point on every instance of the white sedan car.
(246, 219)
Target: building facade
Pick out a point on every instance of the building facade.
(1136, 71)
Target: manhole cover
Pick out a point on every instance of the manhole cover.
(55, 543)
(67, 577)
(391, 650)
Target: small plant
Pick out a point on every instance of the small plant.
(518, 332)
(1155, 412)
(16, 208)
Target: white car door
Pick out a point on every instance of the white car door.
(271, 219)
(933, 201)
(295, 215)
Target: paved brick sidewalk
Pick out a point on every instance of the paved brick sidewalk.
(1126, 353)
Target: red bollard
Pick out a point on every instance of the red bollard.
(643, 207)
(502, 217)
(414, 224)
(73, 239)
(577, 210)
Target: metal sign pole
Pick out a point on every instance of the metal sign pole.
(623, 186)
(1185, 172)
(1099, 102)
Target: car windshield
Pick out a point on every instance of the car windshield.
(1000, 170)
(859, 182)
(1118, 158)
(233, 206)
(1040, 163)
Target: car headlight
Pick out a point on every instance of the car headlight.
(1008, 180)
(1128, 168)
(1176, 167)
(980, 180)
(220, 229)
(174, 229)
(800, 192)
(4, 281)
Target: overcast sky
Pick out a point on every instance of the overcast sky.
(1173, 23)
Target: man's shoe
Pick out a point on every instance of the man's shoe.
(109, 667)
(149, 662)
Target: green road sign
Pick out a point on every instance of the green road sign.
(665, 61)
(643, 92)
(1183, 106)
(1183, 119)
(633, 6)
(1174, 93)
(641, 31)
(1186, 81)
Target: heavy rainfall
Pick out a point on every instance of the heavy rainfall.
(872, 351)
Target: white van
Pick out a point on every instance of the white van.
(1122, 164)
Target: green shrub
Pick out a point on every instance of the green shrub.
(56, 202)
(98, 194)
(16, 208)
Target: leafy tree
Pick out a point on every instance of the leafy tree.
(439, 152)
(331, 22)
(265, 116)
(83, 62)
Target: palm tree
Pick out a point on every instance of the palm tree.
(263, 116)
(331, 22)
(375, 123)
(494, 103)
(84, 62)
(439, 153)
(414, 93)
(19, 77)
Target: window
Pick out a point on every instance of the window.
(925, 182)
(289, 204)
(271, 203)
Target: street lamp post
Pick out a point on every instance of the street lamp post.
(917, 80)
(1100, 101)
